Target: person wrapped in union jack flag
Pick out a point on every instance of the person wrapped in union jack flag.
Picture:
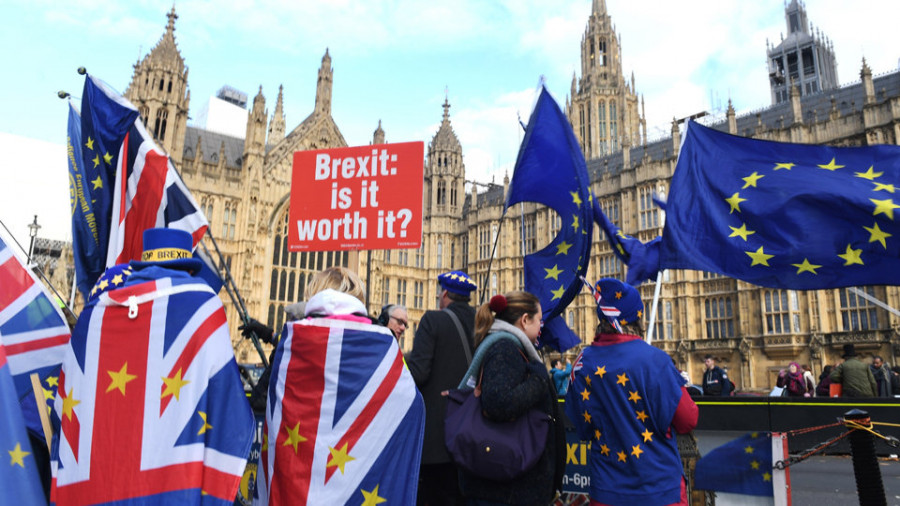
(150, 401)
(344, 421)
(626, 397)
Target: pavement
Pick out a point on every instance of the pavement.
(829, 481)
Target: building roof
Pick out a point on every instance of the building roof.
(211, 144)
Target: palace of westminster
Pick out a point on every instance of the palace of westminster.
(242, 182)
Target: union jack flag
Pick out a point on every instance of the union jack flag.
(150, 400)
(132, 182)
(34, 330)
(344, 421)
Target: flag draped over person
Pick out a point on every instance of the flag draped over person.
(784, 215)
(19, 478)
(150, 400)
(124, 185)
(344, 419)
(34, 332)
(550, 170)
(741, 466)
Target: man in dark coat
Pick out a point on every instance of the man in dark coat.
(715, 380)
(438, 361)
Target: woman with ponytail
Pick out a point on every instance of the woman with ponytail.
(513, 381)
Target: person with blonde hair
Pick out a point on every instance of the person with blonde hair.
(341, 404)
(513, 381)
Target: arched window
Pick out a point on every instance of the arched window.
(442, 193)
(162, 82)
(159, 128)
(169, 90)
(440, 255)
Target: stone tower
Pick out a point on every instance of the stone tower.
(276, 125)
(603, 108)
(805, 58)
(444, 188)
(323, 87)
(159, 89)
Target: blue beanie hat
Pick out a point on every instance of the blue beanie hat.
(618, 301)
(457, 282)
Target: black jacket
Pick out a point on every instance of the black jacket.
(437, 363)
(510, 387)
(716, 382)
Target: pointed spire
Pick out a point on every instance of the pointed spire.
(378, 135)
(170, 28)
(598, 7)
(323, 88)
(446, 109)
(276, 125)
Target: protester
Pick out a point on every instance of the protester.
(794, 382)
(151, 375)
(560, 374)
(811, 380)
(895, 379)
(341, 405)
(715, 380)
(882, 377)
(439, 358)
(823, 389)
(629, 400)
(395, 318)
(513, 381)
(855, 377)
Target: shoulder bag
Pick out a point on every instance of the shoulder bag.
(499, 451)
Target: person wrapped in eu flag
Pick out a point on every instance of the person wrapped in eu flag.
(626, 397)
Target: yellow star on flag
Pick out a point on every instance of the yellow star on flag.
(173, 385)
(806, 267)
(587, 416)
(96, 161)
(600, 371)
(372, 498)
(98, 183)
(557, 294)
(886, 187)
(852, 256)
(52, 381)
(575, 198)
(117, 279)
(648, 436)
(741, 231)
(17, 456)
(751, 180)
(587, 379)
(886, 206)
(48, 394)
(553, 272)
(597, 434)
(636, 451)
(206, 424)
(735, 202)
(634, 396)
(107, 158)
(294, 438)
(119, 379)
(748, 449)
(869, 174)
(339, 458)
(788, 166)
(640, 415)
(767, 476)
(622, 456)
(103, 284)
(618, 295)
(69, 404)
(831, 166)
(563, 248)
(878, 235)
(759, 257)
(585, 394)
(754, 464)
(604, 450)
(90, 143)
(622, 379)
(575, 222)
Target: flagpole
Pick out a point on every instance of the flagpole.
(232, 289)
(659, 280)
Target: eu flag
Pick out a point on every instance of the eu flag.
(742, 466)
(783, 215)
(641, 258)
(106, 118)
(19, 479)
(550, 170)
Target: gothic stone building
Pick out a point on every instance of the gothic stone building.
(243, 187)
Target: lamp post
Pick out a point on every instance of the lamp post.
(33, 228)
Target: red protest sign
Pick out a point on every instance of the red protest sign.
(365, 197)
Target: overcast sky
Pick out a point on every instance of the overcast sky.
(393, 61)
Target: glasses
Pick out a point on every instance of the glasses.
(401, 322)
